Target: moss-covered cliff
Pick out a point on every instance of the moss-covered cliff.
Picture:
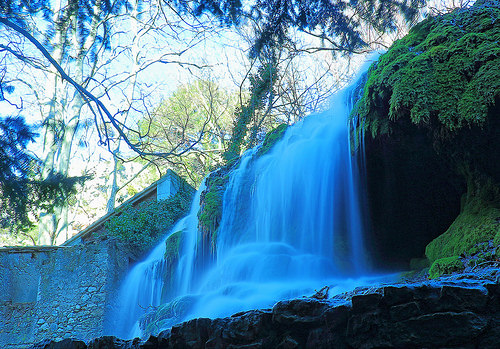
(210, 213)
(444, 75)
(434, 98)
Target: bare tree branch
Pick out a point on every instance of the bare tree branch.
(101, 111)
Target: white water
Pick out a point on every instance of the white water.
(292, 223)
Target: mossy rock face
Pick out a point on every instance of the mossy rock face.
(478, 223)
(211, 201)
(272, 138)
(419, 263)
(441, 83)
(172, 247)
(445, 74)
(446, 265)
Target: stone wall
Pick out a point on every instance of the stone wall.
(57, 292)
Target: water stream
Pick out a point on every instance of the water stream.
(292, 222)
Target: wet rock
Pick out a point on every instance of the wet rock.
(394, 295)
(190, 334)
(366, 302)
(299, 313)
(111, 342)
(67, 343)
(404, 311)
(439, 329)
(288, 343)
(244, 328)
(460, 298)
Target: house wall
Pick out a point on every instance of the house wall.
(57, 292)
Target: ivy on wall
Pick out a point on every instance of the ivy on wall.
(140, 227)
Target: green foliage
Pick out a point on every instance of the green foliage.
(15, 168)
(477, 223)
(445, 265)
(261, 90)
(197, 115)
(341, 23)
(272, 138)
(141, 226)
(445, 74)
(21, 191)
(173, 246)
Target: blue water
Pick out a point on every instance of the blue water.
(292, 223)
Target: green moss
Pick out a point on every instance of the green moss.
(140, 227)
(444, 74)
(443, 79)
(173, 246)
(272, 138)
(476, 224)
(446, 265)
(210, 213)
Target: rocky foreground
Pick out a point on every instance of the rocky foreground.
(458, 311)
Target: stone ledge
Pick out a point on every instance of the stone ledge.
(31, 249)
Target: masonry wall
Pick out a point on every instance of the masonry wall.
(57, 292)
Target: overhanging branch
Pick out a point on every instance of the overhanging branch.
(102, 112)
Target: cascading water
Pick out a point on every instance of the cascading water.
(292, 222)
(142, 289)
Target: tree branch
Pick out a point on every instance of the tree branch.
(89, 97)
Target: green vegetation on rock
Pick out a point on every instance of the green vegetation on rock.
(443, 79)
(172, 247)
(445, 265)
(477, 223)
(445, 74)
(272, 138)
(210, 213)
(140, 227)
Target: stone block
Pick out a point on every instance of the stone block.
(366, 302)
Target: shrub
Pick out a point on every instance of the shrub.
(142, 226)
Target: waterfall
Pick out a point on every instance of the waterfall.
(142, 289)
(292, 222)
